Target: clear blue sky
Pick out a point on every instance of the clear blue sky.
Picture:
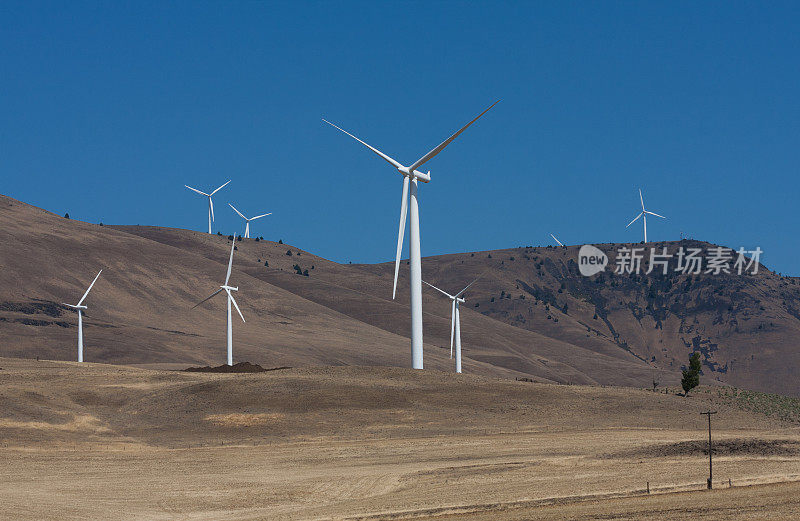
(108, 108)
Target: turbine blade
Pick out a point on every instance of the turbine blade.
(237, 211)
(468, 285)
(401, 231)
(637, 218)
(452, 326)
(90, 288)
(554, 238)
(430, 155)
(207, 298)
(652, 213)
(220, 188)
(211, 207)
(641, 199)
(196, 190)
(230, 262)
(260, 216)
(384, 156)
(235, 305)
(446, 294)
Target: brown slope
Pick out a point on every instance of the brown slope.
(359, 292)
(747, 328)
(140, 309)
(614, 331)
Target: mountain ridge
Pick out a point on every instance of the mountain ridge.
(531, 314)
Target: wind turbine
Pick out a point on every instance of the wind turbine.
(247, 226)
(80, 307)
(228, 290)
(643, 215)
(210, 202)
(559, 242)
(455, 320)
(411, 176)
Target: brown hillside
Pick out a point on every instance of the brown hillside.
(140, 311)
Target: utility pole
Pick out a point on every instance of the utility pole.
(710, 468)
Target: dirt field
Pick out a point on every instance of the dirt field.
(110, 442)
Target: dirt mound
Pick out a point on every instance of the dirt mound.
(241, 367)
(733, 447)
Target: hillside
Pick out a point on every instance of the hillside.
(340, 314)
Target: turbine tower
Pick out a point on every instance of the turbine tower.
(80, 307)
(455, 320)
(228, 290)
(210, 202)
(247, 226)
(411, 177)
(643, 215)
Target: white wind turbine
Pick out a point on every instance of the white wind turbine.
(247, 226)
(559, 242)
(210, 202)
(80, 307)
(643, 215)
(455, 320)
(228, 290)
(411, 176)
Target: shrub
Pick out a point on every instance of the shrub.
(691, 377)
(266, 263)
(66, 216)
(289, 253)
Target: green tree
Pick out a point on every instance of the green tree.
(691, 376)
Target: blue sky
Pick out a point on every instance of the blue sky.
(108, 108)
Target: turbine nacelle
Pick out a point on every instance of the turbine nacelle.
(230, 288)
(74, 307)
(406, 171)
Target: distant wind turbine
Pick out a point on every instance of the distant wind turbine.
(411, 176)
(554, 238)
(227, 290)
(643, 215)
(210, 202)
(79, 307)
(247, 226)
(455, 320)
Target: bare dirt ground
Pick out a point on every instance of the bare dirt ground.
(109, 442)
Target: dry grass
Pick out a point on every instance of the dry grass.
(98, 441)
